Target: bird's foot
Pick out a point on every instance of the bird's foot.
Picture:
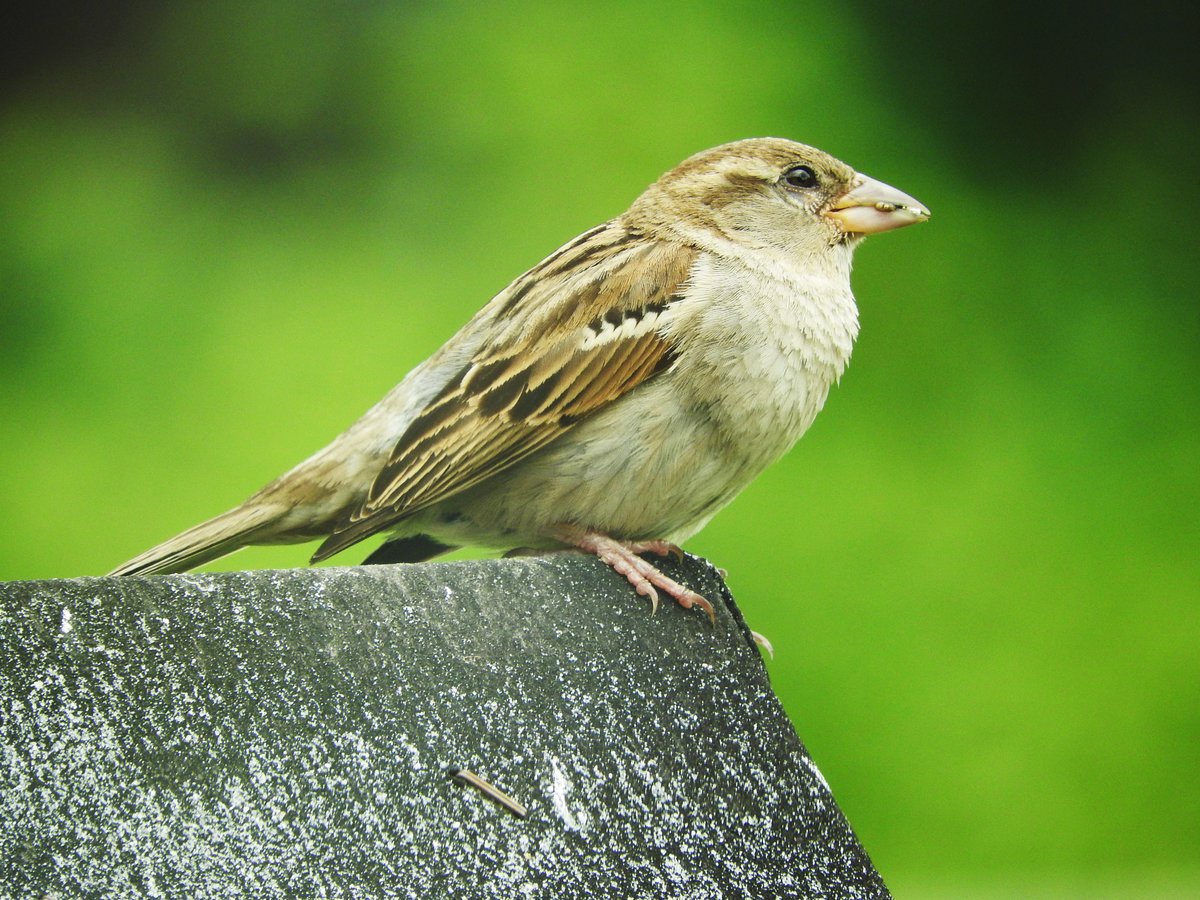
(761, 640)
(662, 548)
(622, 557)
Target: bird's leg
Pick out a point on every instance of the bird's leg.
(622, 557)
(662, 548)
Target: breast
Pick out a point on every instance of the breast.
(760, 348)
(756, 354)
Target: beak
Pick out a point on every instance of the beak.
(872, 206)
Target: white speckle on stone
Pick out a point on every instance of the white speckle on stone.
(560, 785)
(812, 767)
(253, 734)
(674, 870)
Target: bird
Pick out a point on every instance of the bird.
(611, 399)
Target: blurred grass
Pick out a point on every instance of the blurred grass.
(228, 234)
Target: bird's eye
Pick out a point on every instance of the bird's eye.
(800, 177)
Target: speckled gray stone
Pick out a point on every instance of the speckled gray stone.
(292, 734)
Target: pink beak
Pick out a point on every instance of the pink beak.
(872, 206)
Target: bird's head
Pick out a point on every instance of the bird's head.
(774, 193)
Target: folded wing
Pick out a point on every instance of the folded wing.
(576, 333)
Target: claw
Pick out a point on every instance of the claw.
(647, 590)
(622, 557)
(762, 641)
(706, 606)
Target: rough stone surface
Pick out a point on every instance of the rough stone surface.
(292, 734)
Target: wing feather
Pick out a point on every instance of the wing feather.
(574, 334)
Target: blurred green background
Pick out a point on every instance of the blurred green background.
(228, 228)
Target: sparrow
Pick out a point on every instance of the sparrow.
(612, 398)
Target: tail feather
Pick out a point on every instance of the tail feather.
(342, 538)
(203, 543)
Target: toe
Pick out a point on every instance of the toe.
(623, 558)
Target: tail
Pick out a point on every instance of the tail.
(342, 538)
(207, 541)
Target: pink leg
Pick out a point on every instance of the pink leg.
(662, 548)
(623, 557)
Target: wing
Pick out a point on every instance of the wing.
(573, 334)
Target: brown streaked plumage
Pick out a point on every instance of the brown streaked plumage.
(507, 403)
(613, 397)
